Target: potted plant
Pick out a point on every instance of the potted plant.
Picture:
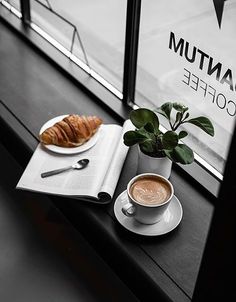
(157, 150)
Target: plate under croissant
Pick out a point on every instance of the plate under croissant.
(63, 150)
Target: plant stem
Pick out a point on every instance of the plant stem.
(177, 126)
(156, 143)
(171, 126)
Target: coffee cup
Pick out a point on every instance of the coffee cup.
(149, 196)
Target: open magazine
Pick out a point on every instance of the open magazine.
(96, 182)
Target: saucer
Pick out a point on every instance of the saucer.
(169, 222)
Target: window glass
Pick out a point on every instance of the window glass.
(14, 3)
(101, 32)
(187, 54)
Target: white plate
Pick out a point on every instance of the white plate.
(170, 220)
(72, 150)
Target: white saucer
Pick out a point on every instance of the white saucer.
(170, 220)
(74, 150)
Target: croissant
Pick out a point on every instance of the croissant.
(72, 131)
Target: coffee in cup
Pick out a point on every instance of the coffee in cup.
(149, 196)
(150, 190)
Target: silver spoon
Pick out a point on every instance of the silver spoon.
(81, 164)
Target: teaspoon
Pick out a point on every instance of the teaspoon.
(81, 164)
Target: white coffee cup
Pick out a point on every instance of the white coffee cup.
(149, 196)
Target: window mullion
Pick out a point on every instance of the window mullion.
(131, 50)
(25, 10)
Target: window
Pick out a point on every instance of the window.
(94, 32)
(186, 54)
(14, 4)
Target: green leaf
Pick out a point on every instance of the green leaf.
(183, 134)
(165, 110)
(178, 117)
(204, 123)
(147, 147)
(140, 117)
(180, 107)
(144, 132)
(133, 137)
(186, 116)
(149, 127)
(170, 140)
(181, 154)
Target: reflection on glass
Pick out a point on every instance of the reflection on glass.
(187, 54)
(15, 4)
(101, 29)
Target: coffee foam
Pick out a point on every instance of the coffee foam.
(150, 190)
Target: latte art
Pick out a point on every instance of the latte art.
(150, 190)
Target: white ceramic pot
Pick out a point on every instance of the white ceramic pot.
(158, 165)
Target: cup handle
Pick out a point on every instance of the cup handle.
(129, 210)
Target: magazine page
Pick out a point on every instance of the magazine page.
(86, 182)
(113, 172)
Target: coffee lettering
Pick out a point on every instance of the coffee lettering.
(203, 56)
(204, 62)
(180, 45)
(216, 68)
(213, 94)
(204, 87)
(196, 82)
(209, 92)
(232, 105)
(227, 78)
(192, 59)
(187, 75)
(221, 101)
